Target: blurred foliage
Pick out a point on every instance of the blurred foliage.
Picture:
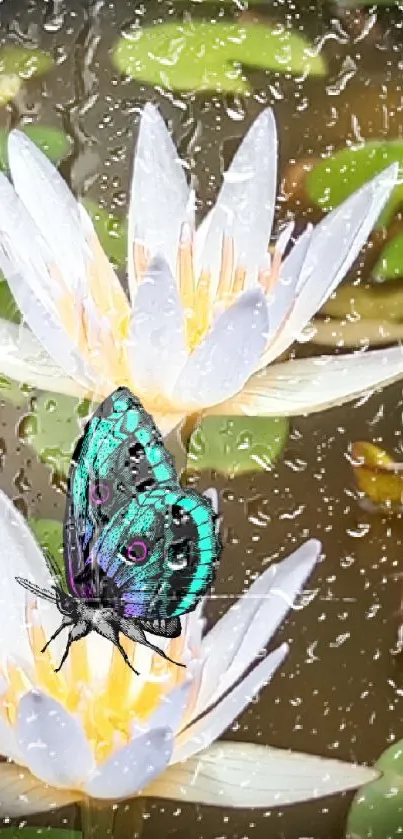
(330, 181)
(237, 445)
(333, 179)
(204, 56)
(53, 142)
(26, 63)
(18, 64)
(377, 302)
(377, 809)
(111, 231)
(53, 428)
(390, 262)
(377, 475)
(49, 535)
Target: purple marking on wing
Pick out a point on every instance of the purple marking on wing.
(99, 493)
(137, 552)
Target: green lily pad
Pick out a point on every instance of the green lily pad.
(203, 56)
(14, 392)
(377, 809)
(54, 143)
(390, 263)
(53, 429)
(236, 445)
(9, 87)
(49, 535)
(24, 62)
(332, 180)
(111, 231)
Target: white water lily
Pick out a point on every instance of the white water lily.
(95, 729)
(209, 311)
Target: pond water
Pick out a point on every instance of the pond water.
(339, 693)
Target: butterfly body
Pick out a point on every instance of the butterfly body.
(139, 549)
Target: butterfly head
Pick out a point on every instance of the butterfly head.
(65, 603)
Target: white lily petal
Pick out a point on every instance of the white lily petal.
(169, 713)
(282, 299)
(157, 345)
(200, 734)
(25, 260)
(335, 244)
(246, 202)
(8, 743)
(313, 384)
(23, 795)
(236, 640)
(51, 204)
(133, 767)
(24, 359)
(27, 561)
(52, 742)
(250, 775)
(221, 364)
(159, 193)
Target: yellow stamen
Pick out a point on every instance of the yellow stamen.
(269, 278)
(227, 268)
(141, 259)
(80, 673)
(239, 280)
(53, 683)
(120, 676)
(202, 309)
(107, 709)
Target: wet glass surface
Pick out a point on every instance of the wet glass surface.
(339, 692)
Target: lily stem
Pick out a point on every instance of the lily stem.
(112, 821)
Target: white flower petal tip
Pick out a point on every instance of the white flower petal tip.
(212, 495)
(245, 630)
(132, 767)
(249, 775)
(202, 733)
(52, 743)
(23, 795)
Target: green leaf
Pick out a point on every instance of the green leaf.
(24, 62)
(201, 56)
(111, 231)
(53, 429)
(332, 180)
(377, 809)
(390, 263)
(49, 534)
(54, 143)
(236, 445)
(39, 833)
(8, 306)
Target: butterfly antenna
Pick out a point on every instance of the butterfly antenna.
(53, 568)
(47, 594)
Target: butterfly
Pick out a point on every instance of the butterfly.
(139, 550)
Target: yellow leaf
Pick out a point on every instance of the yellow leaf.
(377, 475)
